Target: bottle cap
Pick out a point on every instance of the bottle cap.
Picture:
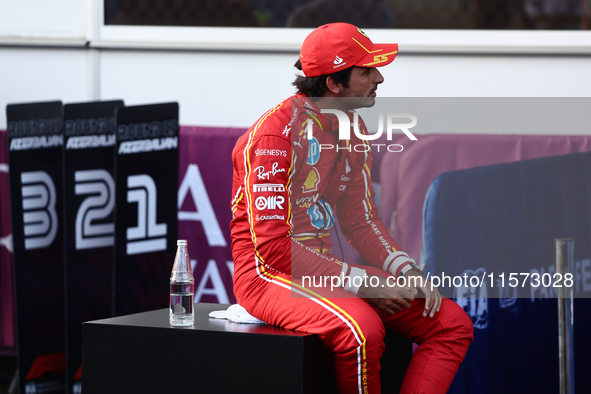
(181, 242)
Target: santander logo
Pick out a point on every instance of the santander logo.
(338, 60)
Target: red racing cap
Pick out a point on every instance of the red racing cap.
(337, 46)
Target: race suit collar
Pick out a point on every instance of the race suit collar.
(305, 104)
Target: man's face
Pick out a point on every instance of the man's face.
(362, 86)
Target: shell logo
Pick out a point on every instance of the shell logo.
(312, 181)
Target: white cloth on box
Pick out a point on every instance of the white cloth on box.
(237, 314)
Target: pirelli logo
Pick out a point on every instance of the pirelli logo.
(268, 187)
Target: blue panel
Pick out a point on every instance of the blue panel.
(504, 219)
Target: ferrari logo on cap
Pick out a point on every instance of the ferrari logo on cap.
(362, 33)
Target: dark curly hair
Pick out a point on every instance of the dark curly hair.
(316, 86)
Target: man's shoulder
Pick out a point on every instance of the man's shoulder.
(275, 122)
(279, 120)
(291, 113)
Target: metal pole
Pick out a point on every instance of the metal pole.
(565, 261)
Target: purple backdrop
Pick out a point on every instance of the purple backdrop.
(411, 173)
(205, 189)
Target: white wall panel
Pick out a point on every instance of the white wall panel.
(233, 89)
(32, 74)
(487, 76)
(230, 89)
(43, 18)
(217, 89)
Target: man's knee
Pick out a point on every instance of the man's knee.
(457, 322)
(367, 330)
(374, 332)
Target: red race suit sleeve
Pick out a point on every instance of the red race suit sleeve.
(358, 214)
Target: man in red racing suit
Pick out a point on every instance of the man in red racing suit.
(291, 175)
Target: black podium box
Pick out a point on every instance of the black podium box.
(142, 353)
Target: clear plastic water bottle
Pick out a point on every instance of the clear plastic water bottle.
(182, 288)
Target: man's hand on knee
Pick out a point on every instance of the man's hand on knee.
(432, 297)
(386, 295)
